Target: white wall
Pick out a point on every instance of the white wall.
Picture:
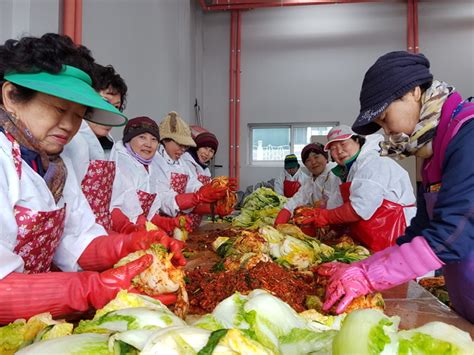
(306, 64)
(447, 39)
(28, 17)
(151, 43)
(299, 64)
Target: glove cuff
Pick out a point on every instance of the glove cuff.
(342, 214)
(420, 257)
(399, 264)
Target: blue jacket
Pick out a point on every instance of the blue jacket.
(451, 231)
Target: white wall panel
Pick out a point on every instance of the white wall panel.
(151, 44)
(303, 64)
(28, 17)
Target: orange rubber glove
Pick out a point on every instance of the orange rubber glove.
(104, 252)
(62, 293)
(322, 217)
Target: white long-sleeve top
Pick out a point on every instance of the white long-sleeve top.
(299, 176)
(326, 186)
(375, 178)
(166, 167)
(130, 177)
(32, 192)
(196, 170)
(83, 148)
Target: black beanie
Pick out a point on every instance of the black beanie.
(391, 77)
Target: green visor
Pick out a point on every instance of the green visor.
(74, 85)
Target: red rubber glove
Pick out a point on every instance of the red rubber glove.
(205, 209)
(322, 217)
(232, 184)
(283, 217)
(223, 210)
(122, 224)
(206, 194)
(62, 293)
(209, 193)
(104, 252)
(168, 224)
(383, 270)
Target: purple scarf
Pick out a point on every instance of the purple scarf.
(137, 156)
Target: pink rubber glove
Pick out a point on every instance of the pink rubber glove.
(381, 271)
(283, 217)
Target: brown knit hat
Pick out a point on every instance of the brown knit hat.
(175, 128)
(207, 139)
(317, 148)
(139, 125)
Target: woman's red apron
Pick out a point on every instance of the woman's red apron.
(97, 187)
(146, 200)
(383, 228)
(290, 187)
(178, 184)
(204, 179)
(39, 232)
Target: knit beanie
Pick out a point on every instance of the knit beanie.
(206, 139)
(317, 148)
(173, 127)
(391, 77)
(291, 161)
(139, 125)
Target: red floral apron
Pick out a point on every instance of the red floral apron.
(290, 187)
(39, 232)
(146, 200)
(178, 184)
(97, 187)
(203, 179)
(383, 228)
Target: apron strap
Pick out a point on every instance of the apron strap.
(16, 152)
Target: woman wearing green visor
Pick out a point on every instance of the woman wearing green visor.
(44, 217)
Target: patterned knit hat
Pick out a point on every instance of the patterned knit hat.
(139, 125)
(173, 127)
(313, 147)
(392, 76)
(291, 161)
(206, 139)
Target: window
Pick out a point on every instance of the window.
(271, 142)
